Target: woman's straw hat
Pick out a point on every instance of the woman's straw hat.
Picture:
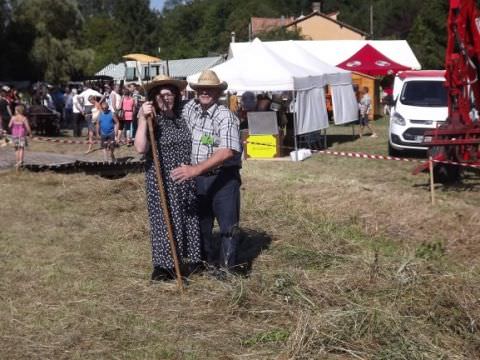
(161, 80)
(208, 79)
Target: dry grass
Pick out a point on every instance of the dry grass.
(360, 266)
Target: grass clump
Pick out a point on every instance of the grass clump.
(264, 337)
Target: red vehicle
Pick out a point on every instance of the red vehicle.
(457, 141)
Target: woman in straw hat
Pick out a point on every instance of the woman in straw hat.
(174, 149)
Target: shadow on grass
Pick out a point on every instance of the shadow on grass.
(250, 246)
(251, 243)
(469, 181)
(340, 139)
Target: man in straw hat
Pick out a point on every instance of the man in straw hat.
(215, 165)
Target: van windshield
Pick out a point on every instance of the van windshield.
(424, 93)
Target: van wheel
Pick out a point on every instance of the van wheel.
(392, 151)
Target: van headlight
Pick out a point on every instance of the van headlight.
(398, 119)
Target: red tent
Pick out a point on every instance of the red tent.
(370, 61)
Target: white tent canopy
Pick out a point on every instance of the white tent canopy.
(259, 68)
(334, 52)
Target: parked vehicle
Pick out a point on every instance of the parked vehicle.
(420, 104)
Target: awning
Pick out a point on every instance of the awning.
(370, 61)
(141, 58)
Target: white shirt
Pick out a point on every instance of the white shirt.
(118, 100)
(77, 105)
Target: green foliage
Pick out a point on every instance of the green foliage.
(280, 34)
(428, 34)
(430, 251)
(55, 49)
(56, 40)
(199, 28)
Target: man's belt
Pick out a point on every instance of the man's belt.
(217, 171)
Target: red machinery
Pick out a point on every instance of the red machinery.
(459, 138)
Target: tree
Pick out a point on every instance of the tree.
(89, 8)
(280, 34)
(118, 28)
(136, 26)
(51, 35)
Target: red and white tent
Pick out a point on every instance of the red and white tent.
(370, 61)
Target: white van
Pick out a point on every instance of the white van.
(420, 103)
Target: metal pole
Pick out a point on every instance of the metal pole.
(432, 180)
(164, 203)
(371, 20)
(295, 125)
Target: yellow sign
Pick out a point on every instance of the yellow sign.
(262, 146)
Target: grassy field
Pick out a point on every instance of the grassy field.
(351, 261)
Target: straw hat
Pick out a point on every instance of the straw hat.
(161, 80)
(209, 79)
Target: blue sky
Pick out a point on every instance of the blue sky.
(157, 4)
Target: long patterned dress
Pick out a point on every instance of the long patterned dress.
(174, 147)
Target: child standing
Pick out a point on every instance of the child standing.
(107, 127)
(365, 108)
(92, 112)
(19, 127)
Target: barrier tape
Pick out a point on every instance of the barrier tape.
(367, 156)
(75, 142)
(358, 155)
(456, 163)
(71, 142)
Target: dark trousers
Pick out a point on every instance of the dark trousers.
(67, 118)
(77, 124)
(219, 198)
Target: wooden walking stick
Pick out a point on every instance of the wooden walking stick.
(163, 202)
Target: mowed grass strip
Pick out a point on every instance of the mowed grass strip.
(354, 263)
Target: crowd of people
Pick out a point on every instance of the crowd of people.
(77, 108)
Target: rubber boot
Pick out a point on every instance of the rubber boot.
(228, 251)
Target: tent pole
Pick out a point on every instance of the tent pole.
(295, 125)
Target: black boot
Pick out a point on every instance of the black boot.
(161, 274)
(228, 251)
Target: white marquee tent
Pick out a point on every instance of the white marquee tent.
(260, 69)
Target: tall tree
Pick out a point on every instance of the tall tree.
(428, 35)
(136, 25)
(90, 8)
(55, 24)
